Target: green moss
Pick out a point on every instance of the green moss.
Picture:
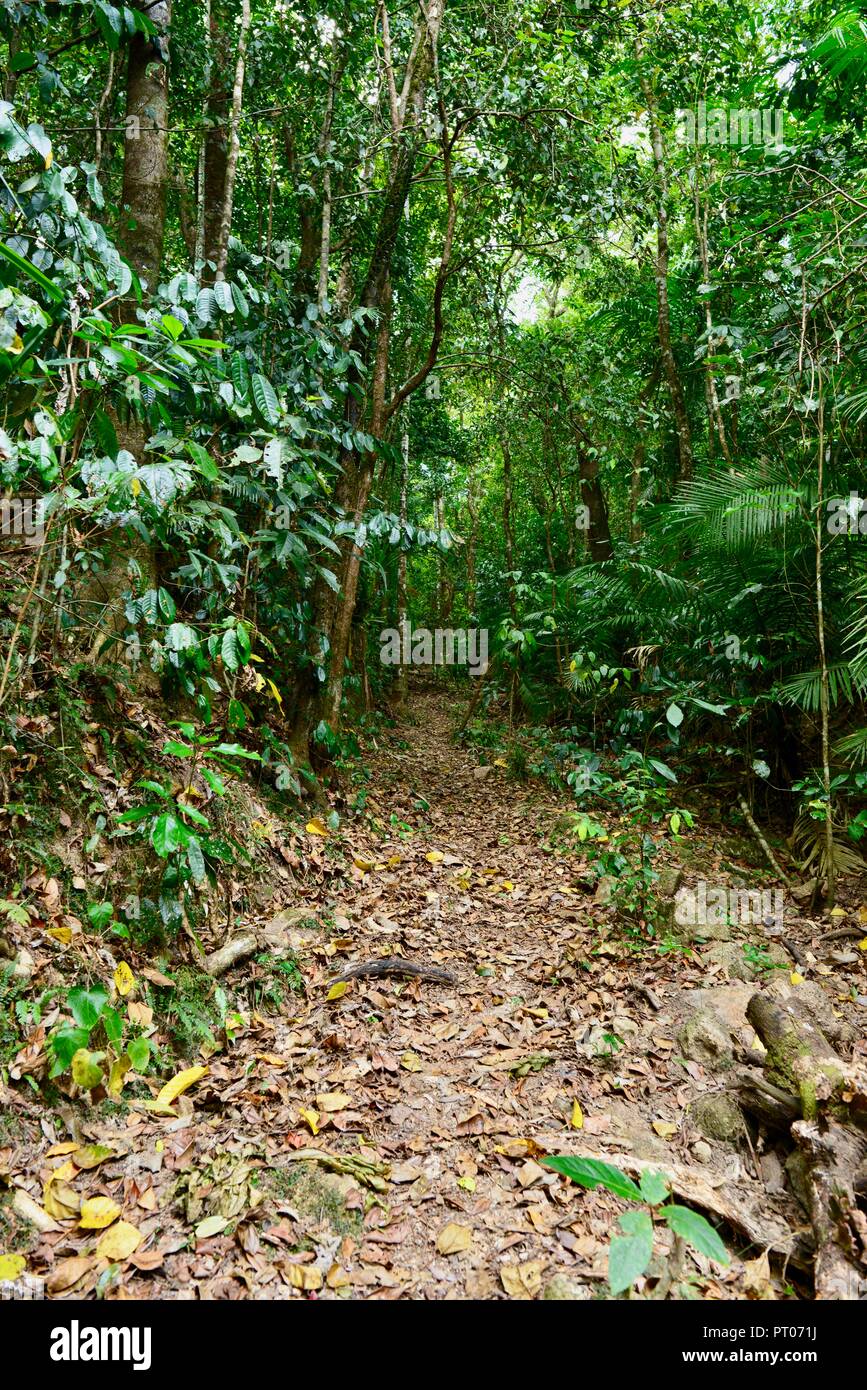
(314, 1194)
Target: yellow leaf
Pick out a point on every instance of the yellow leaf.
(304, 1276)
(393, 861)
(90, 1157)
(275, 693)
(17, 344)
(838, 912)
(67, 1148)
(120, 1242)
(862, 944)
(329, 1101)
(12, 1266)
(434, 856)
(59, 1199)
(576, 1119)
(468, 1184)
(61, 934)
(65, 1172)
(312, 1117)
(522, 1281)
(124, 980)
(454, 1238)
(316, 826)
(508, 886)
(365, 865)
(49, 159)
(664, 1129)
(337, 991)
(410, 1061)
(136, 487)
(500, 762)
(795, 978)
(180, 1083)
(97, 1212)
(117, 1075)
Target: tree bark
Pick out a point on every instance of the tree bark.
(663, 309)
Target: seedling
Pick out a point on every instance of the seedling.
(630, 1254)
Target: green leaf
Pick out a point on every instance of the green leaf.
(630, 1254)
(592, 1172)
(167, 834)
(674, 715)
(63, 1045)
(178, 750)
(196, 859)
(235, 750)
(266, 399)
(229, 650)
(697, 1232)
(86, 1005)
(139, 1052)
(654, 1187)
(663, 769)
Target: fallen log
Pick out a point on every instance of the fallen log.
(828, 1097)
(237, 949)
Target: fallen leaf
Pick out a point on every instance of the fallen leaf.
(120, 1242)
(329, 1101)
(92, 1155)
(317, 826)
(304, 1276)
(97, 1212)
(337, 991)
(410, 1061)
(68, 1273)
(25, 1206)
(434, 856)
(180, 1083)
(576, 1119)
(664, 1129)
(211, 1226)
(311, 1117)
(12, 1266)
(524, 1280)
(454, 1238)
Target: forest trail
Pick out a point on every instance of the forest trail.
(383, 1140)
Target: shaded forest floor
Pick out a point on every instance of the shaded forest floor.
(382, 1139)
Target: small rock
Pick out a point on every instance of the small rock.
(670, 879)
(701, 1151)
(24, 963)
(704, 1038)
(563, 1287)
(717, 1116)
(737, 963)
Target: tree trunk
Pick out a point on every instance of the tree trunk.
(663, 311)
(234, 144)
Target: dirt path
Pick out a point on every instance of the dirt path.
(435, 1099)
